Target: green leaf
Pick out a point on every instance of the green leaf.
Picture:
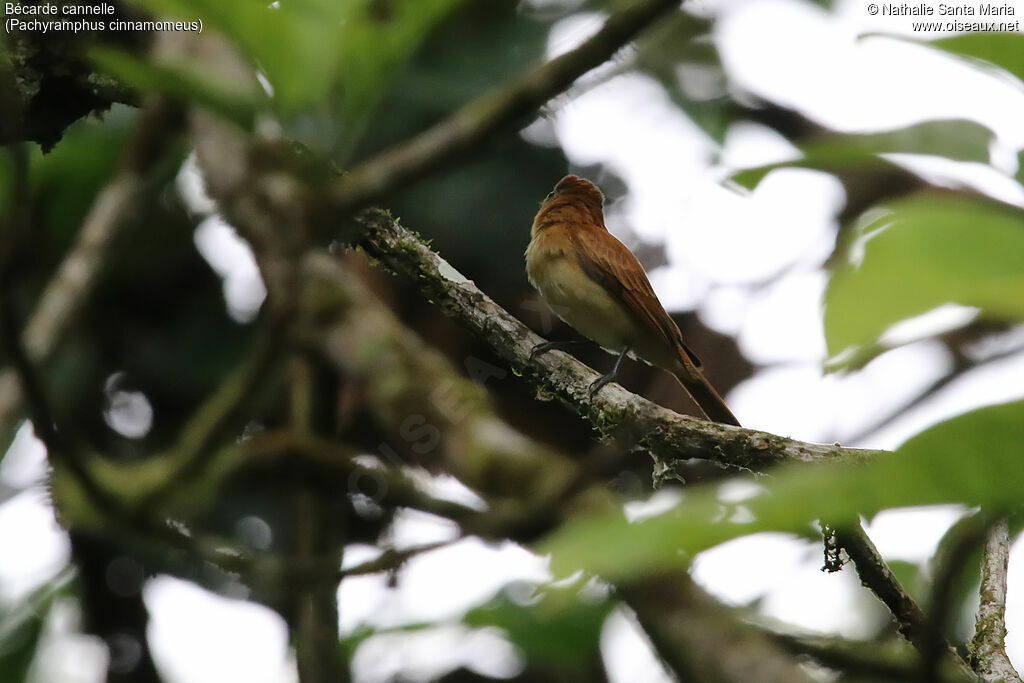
(920, 253)
(21, 627)
(556, 628)
(295, 43)
(180, 81)
(680, 53)
(18, 644)
(305, 48)
(1005, 50)
(375, 44)
(973, 459)
(957, 139)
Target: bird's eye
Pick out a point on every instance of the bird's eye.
(550, 195)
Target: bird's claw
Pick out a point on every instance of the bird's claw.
(599, 383)
(543, 347)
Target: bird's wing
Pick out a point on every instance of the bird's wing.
(608, 262)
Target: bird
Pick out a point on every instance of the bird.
(593, 282)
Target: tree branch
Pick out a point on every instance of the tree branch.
(875, 574)
(399, 372)
(480, 119)
(406, 383)
(317, 534)
(988, 648)
(500, 463)
(60, 449)
(701, 639)
(966, 536)
(614, 411)
(391, 559)
(869, 661)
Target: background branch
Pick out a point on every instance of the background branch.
(480, 119)
(870, 661)
(966, 536)
(988, 648)
(60, 447)
(702, 640)
(875, 574)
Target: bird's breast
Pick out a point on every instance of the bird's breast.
(552, 267)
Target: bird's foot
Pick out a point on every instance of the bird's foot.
(599, 383)
(544, 347)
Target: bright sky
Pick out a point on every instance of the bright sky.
(718, 242)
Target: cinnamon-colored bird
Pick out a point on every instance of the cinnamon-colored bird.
(593, 282)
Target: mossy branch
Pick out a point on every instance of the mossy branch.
(614, 411)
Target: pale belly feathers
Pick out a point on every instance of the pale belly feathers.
(578, 300)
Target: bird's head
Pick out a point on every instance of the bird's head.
(574, 201)
(581, 189)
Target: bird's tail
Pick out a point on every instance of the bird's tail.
(700, 389)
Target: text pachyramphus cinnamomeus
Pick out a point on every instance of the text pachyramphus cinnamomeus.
(593, 282)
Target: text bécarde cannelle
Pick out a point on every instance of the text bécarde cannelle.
(66, 10)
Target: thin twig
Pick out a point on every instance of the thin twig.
(220, 416)
(875, 575)
(988, 648)
(478, 120)
(931, 390)
(392, 559)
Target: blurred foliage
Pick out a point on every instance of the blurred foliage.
(960, 140)
(486, 44)
(918, 253)
(310, 52)
(182, 82)
(480, 47)
(349, 79)
(1004, 50)
(21, 627)
(951, 462)
(19, 637)
(157, 306)
(63, 184)
(556, 627)
(680, 54)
